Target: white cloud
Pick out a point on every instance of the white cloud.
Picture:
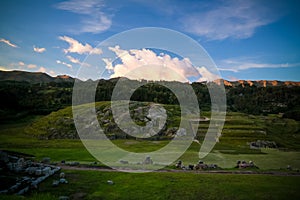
(230, 19)
(207, 76)
(77, 47)
(8, 43)
(64, 63)
(23, 66)
(31, 66)
(77, 61)
(236, 65)
(94, 20)
(52, 73)
(42, 69)
(39, 50)
(21, 63)
(73, 60)
(159, 67)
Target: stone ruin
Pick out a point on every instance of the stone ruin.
(24, 173)
(199, 166)
(243, 164)
(148, 161)
(262, 144)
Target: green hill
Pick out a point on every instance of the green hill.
(239, 129)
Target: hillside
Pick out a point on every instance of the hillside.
(238, 131)
(37, 93)
(32, 77)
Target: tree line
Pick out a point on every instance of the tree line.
(43, 98)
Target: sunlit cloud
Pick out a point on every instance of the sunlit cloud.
(39, 50)
(21, 63)
(8, 43)
(206, 75)
(24, 66)
(95, 20)
(42, 69)
(76, 61)
(73, 60)
(31, 66)
(160, 67)
(79, 48)
(64, 63)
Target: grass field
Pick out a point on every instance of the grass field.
(238, 130)
(93, 185)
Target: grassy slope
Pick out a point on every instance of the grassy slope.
(93, 185)
(238, 130)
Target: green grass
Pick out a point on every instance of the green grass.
(232, 146)
(239, 129)
(93, 185)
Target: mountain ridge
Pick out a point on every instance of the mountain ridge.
(33, 77)
(40, 77)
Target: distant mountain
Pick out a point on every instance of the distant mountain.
(39, 77)
(259, 83)
(32, 77)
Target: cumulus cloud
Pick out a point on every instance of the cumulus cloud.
(64, 63)
(230, 19)
(159, 67)
(79, 48)
(39, 50)
(52, 73)
(207, 76)
(42, 69)
(21, 63)
(31, 66)
(8, 43)
(95, 20)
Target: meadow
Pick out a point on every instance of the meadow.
(238, 130)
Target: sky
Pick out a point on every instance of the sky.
(249, 40)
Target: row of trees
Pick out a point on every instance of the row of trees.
(43, 98)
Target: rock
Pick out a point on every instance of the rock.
(62, 175)
(148, 161)
(181, 132)
(55, 183)
(63, 180)
(46, 160)
(124, 162)
(63, 198)
(178, 164)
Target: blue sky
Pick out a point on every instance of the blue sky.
(250, 40)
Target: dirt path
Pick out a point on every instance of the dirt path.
(274, 173)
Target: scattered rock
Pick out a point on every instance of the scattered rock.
(63, 181)
(148, 161)
(63, 198)
(110, 182)
(124, 162)
(62, 175)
